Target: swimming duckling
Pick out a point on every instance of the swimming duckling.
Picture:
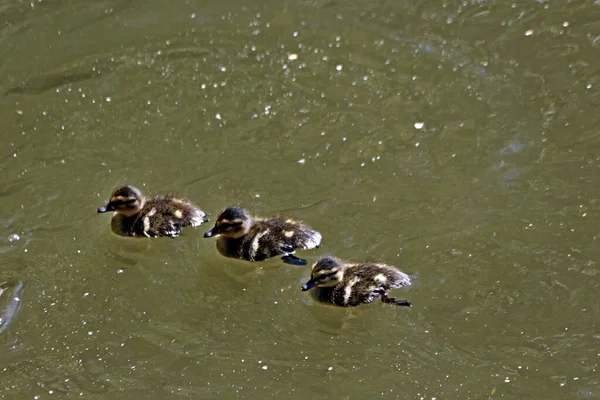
(160, 215)
(348, 284)
(256, 239)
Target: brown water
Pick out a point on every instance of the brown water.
(458, 141)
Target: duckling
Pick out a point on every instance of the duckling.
(160, 215)
(351, 284)
(256, 239)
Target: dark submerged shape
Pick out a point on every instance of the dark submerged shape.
(249, 238)
(343, 284)
(160, 215)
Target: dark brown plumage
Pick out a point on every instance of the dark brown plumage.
(255, 239)
(343, 284)
(160, 215)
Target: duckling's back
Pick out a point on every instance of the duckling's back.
(178, 209)
(269, 237)
(163, 215)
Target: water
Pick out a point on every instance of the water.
(456, 141)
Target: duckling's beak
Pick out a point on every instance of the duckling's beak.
(212, 232)
(105, 208)
(308, 285)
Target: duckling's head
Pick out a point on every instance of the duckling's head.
(328, 271)
(233, 223)
(125, 200)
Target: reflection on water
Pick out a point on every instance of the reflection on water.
(10, 296)
(455, 141)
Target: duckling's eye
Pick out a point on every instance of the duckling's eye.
(330, 277)
(233, 226)
(124, 203)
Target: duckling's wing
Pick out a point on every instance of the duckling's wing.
(350, 293)
(162, 226)
(286, 242)
(172, 229)
(182, 211)
(156, 220)
(359, 285)
(308, 238)
(294, 235)
(265, 241)
(271, 237)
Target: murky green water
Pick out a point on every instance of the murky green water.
(458, 141)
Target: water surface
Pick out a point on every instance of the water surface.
(458, 141)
